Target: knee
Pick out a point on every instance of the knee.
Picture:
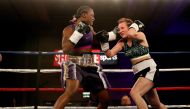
(104, 101)
(103, 96)
(162, 106)
(69, 93)
(133, 93)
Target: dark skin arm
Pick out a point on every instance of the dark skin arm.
(67, 45)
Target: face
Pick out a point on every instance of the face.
(89, 17)
(123, 29)
(125, 101)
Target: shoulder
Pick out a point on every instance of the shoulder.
(68, 31)
(121, 42)
(141, 34)
(68, 28)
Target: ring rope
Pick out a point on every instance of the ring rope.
(104, 70)
(180, 88)
(184, 88)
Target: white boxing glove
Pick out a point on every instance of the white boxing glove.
(80, 30)
(137, 25)
(105, 46)
(113, 35)
(75, 37)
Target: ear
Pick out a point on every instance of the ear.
(83, 15)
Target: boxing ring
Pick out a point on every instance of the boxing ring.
(37, 71)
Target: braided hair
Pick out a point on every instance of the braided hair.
(81, 10)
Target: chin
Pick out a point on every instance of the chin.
(124, 37)
(91, 23)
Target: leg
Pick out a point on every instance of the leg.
(71, 87)
(93, 99)
(140, 88)
(103, 97)
(96, 82)
(153, 99)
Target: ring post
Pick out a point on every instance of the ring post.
(38, 80)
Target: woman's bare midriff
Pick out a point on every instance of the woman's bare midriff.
(140, 59)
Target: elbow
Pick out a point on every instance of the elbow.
(65, 50)
(109, 54)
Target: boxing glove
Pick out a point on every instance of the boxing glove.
(137, 25)
(80, 30)
(102, 37)
(104, 46)
(113, 35)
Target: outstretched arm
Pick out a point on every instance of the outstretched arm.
(103, 37)
(117, 48)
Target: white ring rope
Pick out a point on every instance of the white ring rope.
(104, 70)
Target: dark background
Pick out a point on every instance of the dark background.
(36, 25)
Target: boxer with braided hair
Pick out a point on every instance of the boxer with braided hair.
(80, 69)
